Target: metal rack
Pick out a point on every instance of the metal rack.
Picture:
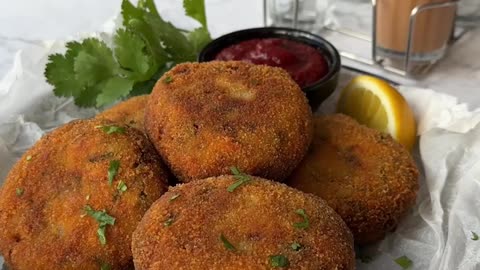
(407, 69)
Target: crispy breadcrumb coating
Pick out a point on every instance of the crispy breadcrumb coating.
(201, 225)
(205, 117)
(43, 222)
(366, 176)
(129, 112)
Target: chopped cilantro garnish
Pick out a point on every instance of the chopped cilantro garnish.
(226, 243)
(279, 261)
(122, 187)
(96, 74)
(109, 129)
(113, 170)
(305, 223)
(241, 177)
(168, 222)
(103, 220)
(474, 236)
(174, 197)
(19, 191)
(168, 80)
(404, 262)
(296, 246)
(105, 266)
(29, 158)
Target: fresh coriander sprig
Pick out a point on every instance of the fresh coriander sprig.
(95, 74)
(103, 220)
(241, 177)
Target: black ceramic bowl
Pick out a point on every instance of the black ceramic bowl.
(317, 92)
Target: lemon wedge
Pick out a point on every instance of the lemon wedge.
(376, 104)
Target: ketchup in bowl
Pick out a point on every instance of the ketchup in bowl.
(305, 64)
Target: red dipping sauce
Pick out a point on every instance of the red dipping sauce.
(305, 64)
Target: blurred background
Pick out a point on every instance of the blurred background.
(27, 22)
(24, 22)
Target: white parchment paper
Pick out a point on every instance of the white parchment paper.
(436, 234)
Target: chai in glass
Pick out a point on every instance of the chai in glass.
(431, 31)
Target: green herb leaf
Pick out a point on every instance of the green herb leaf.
(114, 89)
(101, 235)
(277, 261)
(110, 129)
(305, 223)
(131, 53)
(196, 10)
(241, 177)
(59, 71)
(83, 71)
(143, 29)
(148, 5)
(168, 222)
(168, 80)
(174, 197)
(226, 243)
(105, 266)
(474, 236)
(19, 192)
(103, 220)
(296, 246)
(94, 62)
(199, 38)
(113, 170)
(88, 96)
(174, 42)
(404, 262)
(100, 216)
(95, 74)
(122, 187)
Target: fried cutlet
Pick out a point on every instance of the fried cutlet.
(260, 224)
(205, 117)
(365, 175)
(74, 199)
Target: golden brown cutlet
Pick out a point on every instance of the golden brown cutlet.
(44, 221)
(205, 117)
(129, 112)
(365, 175)
(202, 225)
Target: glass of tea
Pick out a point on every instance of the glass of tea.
(422, 26)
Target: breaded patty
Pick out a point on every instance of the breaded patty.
(64, 193)
(366, 176)
(205, 117)
(260, 224)
(130, 112)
